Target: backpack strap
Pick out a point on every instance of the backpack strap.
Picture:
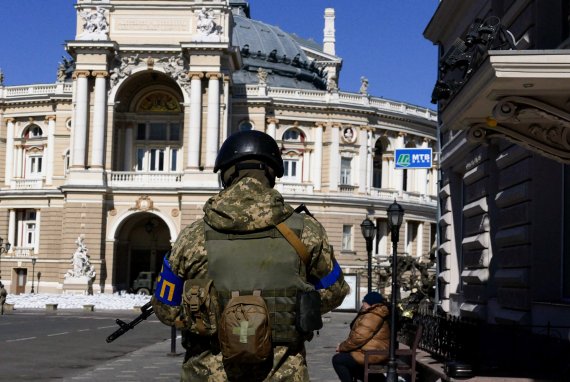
(294, 240)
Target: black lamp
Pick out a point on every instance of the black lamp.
(368, 231)
(395, 218)
(4, 248)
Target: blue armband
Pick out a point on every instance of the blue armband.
(168, 286)
(329, 279)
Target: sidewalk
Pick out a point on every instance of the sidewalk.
(156, 363)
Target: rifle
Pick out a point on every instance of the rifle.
(146, 311)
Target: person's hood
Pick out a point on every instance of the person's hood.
(378, 309)
(245, 206)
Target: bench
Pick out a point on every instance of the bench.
(405, 359)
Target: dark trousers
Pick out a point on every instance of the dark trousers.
(347, 369)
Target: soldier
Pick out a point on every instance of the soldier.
(215, 247)
(3, 295)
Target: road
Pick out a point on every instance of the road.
(36, 345)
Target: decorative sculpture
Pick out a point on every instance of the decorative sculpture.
(82, 267)
(206, 27)
(363, 85)
(95, 26)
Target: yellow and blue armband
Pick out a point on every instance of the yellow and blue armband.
(168, 286)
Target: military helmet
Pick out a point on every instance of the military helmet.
(250, 144)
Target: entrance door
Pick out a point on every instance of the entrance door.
(21, 276)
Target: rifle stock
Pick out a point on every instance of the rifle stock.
(146, 311)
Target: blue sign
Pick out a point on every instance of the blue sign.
(413, 158)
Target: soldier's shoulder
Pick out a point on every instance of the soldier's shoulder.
(312, 225)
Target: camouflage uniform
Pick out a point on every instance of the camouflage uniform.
(3, 295)
(247, 205)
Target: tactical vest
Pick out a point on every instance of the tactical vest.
(261, 260)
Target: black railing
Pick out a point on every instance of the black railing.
(493, 349)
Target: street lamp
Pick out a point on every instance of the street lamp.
(368, 231)
(4, 248)
(33, 272)
(395, 218)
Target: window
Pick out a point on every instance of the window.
(291, 170)
(346, 238)
(293, 135)
(27, 228)
(157, 146)
(379, 150)
(345, 165)
(66, 161)
(32, 131)
(35, 165)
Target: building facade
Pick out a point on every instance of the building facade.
(116, 156)
(504, 127)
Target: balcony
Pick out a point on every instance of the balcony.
(27, 184)
(20, 252)
(143, 179)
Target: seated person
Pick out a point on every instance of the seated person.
(368, 331)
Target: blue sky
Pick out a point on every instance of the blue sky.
(379, 39)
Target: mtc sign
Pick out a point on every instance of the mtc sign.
(413, 158)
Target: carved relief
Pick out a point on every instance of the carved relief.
(206, 27)
(158, 102)
(95, 26)
(144, 203)
(535, 125)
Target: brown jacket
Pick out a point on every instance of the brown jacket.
(370, 330)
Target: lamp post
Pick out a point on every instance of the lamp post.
(395, 218)
(4, 248)
(33, 272)
(368, 231)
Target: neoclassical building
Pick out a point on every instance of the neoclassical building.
(504, 128)
(117, 155)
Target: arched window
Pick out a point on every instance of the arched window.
(379, 150)
(32, 131)
(293, 135)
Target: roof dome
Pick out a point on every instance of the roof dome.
(278, 53)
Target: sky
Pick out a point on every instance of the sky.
(381, 40)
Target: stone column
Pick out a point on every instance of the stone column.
(213, 132)
(49, 160)
(370, 155)
(18, 173)
(423, 174)
(399, 174)
(318, 157)
(385, 172)
(80, 119)
(334, 172)
(8, 171)
(12, 228)
(195, 126)
(272, 126)
(363, 156)
(99, 118)
(420, 240)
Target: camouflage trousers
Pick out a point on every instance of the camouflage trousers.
(287, 367)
